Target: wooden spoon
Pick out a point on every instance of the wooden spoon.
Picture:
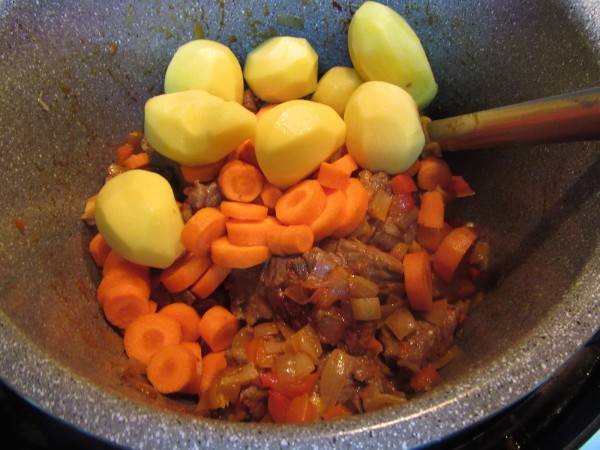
(569, 117)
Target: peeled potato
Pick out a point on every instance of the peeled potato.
(384, 131)
(384, 47)
(282, 68)
(195, 127)
(336, 86)
(206, 65)
(293, 138)
(137, 215)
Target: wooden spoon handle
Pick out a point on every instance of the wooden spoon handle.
(569, 117)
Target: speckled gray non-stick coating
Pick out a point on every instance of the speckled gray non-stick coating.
(75, 76)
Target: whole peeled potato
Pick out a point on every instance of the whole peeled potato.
(383, 47)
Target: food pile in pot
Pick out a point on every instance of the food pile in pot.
(276, 245)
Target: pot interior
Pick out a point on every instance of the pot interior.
(76, 76)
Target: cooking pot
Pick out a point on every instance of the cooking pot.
(75, 78)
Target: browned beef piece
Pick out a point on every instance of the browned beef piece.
(203, 195)
(426, 343)
(247, 295)
(255, 401)
(374, 182)
(368, 261)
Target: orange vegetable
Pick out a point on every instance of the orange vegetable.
(403, 184)
(149, 333)
(431, 213)
(246, 152)
(278, 405)
(217, 328)
(451, 252)
(125, 274)
(264, 109)
(226, 254)
(212, 365)
(329, 219)
(184, 272)
(418, 280)
(433, 172)
(206, 225)
(187, 317)
(336, 411)
(301, 204)
(137, 161)
(424, 379)
(289, 389)
(202, 173)
(414, 169)
(124, 303)
(210, 281)
(244, 232)
(430, 238)
(301, 410)
(346, 163)
(240, 181)
(270, 194)
(99, 249)
(290, 240)
(332, 176)
(459, 186)
(243, 211)
(123, 152)
(357, 202)
(172, 369)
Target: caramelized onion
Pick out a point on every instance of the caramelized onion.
(366, 308)
(333, 377)
(362, 287)
(289, 368)
(401, 322)
(306, 341)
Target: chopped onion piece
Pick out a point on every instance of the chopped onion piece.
(362, 287)
(380, 205)
(266, 329)
(333, 377)
(305, 341)
(366, 308)
(289, 368)
(401, 322)
(273, 346)
(297, 293)
(438, 313)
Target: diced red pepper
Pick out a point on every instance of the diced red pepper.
(403, 184)
(424, 379)
(459, 186)
(301, 410)
(290, 389)
(278, 405)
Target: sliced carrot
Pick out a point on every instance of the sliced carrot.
(270, 194)
(301, 410)
(137, 161)
(217, 328)
(226, 254)
(123, 275)
(172, 369)
(246, 152)
(329, 219)
(184, 272)
(430, 238)
(99, 249)
(332, 176)
(240, 181)
(336, 411)
(187, 317)
(451, 252)
(413, 169)
(264, 109)
(206, 225)
(149, 333)
(431, 213)
(290, 239)
(418, 280)
(244, 232)
(403, 184)
(301, 204)
(124, 303)
(210, 281)
(357, 202)
(278, 405)
(346, 163)
(195, 348)
(212, 365)
(433, 172)
(202, 173)
(123, 152)
(244, 211)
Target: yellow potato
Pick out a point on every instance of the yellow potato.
(195, 127)
(384, 47)
(336, 86)
(384, 131)
(137, 215)
(293, 138)
(206, 65)
(282, 68)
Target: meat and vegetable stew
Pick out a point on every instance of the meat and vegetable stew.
(283, 259)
